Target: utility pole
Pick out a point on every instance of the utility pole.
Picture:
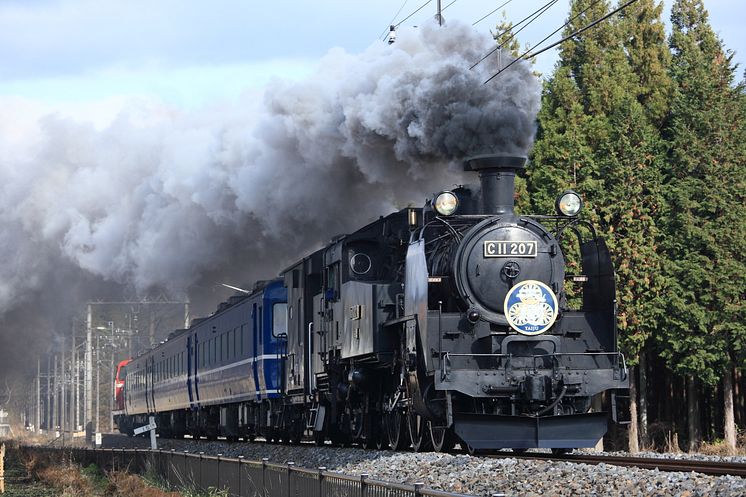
(73, 384)
(91, 414)
(88, 376)
(63, 403)
(55, 396)
(111, 384)
(440, 15)
(129, 335)
(151, 328)
(48, 417)
(186, 314)
(98, 374)
(77, 388)
(37, 421)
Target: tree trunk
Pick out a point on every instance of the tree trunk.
(643, 374)
(667, 404)
(737, 397)
(693, 418)
(730, 424)
(708, 414)
(634, 444)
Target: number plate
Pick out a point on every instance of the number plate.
(145, 428)
(509, 249)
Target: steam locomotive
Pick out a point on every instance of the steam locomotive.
(431, 326)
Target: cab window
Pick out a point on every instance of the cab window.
(332, 282)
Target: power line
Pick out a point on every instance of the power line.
(486, 16)
(413, 13)
(382, 36)
(454, 1)
(386, 29)
(526, 55)
(536, 13)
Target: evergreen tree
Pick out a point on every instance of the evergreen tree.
(644, 39)
(505, 37)
(570, 126)
(705, 190)
(648, 54)
(599, 136)
(596, 136)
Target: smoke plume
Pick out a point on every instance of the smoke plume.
(177, 201)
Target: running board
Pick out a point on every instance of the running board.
(490, 431)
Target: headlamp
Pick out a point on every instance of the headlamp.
(569, 203)
(446, 203)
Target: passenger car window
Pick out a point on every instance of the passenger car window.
(280, 320)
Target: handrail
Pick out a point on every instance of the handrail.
(446, 358)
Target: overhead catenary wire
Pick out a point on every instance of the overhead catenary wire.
(413, 13)
(382, 36)
(391, 23)
(452, 2)
(533, 16)
(487, 15)
(528, 54)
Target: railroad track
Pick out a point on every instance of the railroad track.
(713, 468)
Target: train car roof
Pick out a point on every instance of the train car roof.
(338, 238)
(233, 300)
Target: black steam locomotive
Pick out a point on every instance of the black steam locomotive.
(429, 327)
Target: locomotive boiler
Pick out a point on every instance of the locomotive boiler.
(451, 323)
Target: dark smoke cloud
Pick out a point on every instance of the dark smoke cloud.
(162, 199)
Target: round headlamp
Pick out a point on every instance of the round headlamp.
(569, 204)
(446, 203)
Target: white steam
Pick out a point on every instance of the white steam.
(161, 198)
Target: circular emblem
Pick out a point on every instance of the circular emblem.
(511, 269)
(530, 307)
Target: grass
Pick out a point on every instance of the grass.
(55, 477)
(18, 483)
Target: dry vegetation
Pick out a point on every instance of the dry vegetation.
(663, 438)
(73, 481)
(720, 448)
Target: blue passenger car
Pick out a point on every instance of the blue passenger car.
(220, 377)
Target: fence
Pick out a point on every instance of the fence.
(239, 477)
(2, 468)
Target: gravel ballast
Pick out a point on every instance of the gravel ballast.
(479, 476)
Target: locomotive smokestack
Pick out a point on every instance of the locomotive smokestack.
(497, 176)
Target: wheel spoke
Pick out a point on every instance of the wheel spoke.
(397, 430)
(442, 438)
(419, 432)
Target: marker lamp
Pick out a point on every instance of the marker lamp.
(446, 203)
(569, 204)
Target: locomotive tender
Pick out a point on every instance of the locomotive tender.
(428, 327)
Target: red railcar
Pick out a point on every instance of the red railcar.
(119, 385)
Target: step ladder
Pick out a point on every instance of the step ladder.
(312, 416)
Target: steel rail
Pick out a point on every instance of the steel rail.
(712, 468)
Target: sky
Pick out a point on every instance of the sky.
(85, 58)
